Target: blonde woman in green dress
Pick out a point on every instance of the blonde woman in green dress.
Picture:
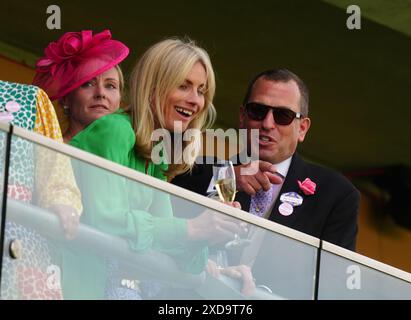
(173, 82)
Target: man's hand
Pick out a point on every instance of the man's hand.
(265, 176)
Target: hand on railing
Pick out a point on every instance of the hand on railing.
(241, 272)
(234, 204)
(69, 219)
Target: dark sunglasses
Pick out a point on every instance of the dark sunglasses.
(282, 115)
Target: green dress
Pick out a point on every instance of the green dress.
(125, 208)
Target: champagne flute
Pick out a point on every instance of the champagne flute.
(225, 184)
(224, 180)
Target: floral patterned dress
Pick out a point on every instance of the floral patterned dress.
(40, 178)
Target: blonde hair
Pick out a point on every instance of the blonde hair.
(162, 68)
(121, 80)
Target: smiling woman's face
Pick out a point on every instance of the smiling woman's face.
(94, 99)
(183, 104)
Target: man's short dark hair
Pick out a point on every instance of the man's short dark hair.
(281, 75)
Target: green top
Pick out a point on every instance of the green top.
(122, 207)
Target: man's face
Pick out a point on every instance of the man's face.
(276, 142)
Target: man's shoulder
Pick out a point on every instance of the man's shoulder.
(327, 176)
(198, 178)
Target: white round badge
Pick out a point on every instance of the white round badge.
(286, 209)
(292, 198)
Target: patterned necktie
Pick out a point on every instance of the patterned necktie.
(261, 201)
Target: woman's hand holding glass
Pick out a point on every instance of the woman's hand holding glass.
(214, 227)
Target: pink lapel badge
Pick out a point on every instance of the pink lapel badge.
(307, 186)
(11, 107)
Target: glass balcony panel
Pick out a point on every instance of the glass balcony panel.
(351, 276)
(3, 140)
(280, 265)
(132, 240)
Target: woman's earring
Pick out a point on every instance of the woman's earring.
(66, 110)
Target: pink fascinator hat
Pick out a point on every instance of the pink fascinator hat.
(76, 58)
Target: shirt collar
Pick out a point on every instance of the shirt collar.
(283, 166)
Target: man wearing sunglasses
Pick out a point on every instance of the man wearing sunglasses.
(324, 206)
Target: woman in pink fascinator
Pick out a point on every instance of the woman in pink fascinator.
(40, 176)
(82, 71)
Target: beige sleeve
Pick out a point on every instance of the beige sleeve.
(55, 182)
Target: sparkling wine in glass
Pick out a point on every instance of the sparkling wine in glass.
(225, 184)
(224, 177)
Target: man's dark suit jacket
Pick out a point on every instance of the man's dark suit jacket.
(330, 214)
